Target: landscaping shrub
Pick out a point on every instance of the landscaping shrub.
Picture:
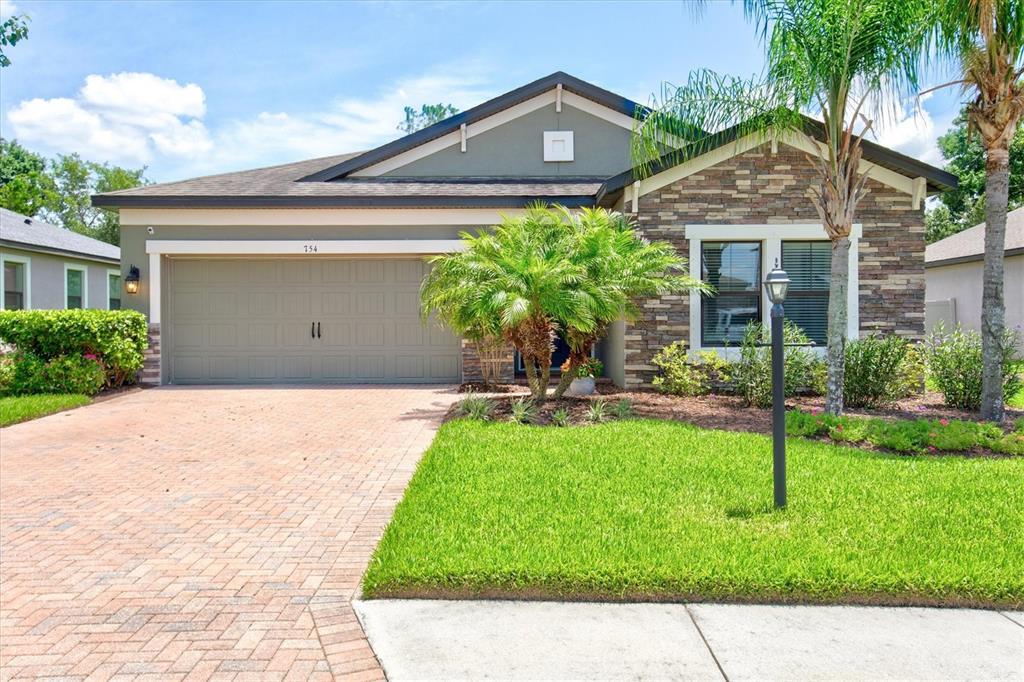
(523, 411)
(880, 371)
(910, 436)
(753, 372)
(954, 365)
(683, 376)
(476, 407)
(116, 339)
(63, 374)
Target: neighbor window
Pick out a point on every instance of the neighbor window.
(15, 285)
(114, 291)
(734, 270)
(808, 265)
(75, 287)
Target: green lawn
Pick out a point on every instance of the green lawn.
(661, 510)
(14, 409)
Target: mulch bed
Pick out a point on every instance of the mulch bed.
(724, 412)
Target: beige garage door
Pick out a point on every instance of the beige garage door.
(302, 321)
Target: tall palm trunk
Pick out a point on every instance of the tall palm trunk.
(837, 320)
(993, 308)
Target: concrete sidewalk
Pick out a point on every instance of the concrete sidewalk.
(419, 639)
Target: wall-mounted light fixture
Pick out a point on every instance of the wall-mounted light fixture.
(131, 282)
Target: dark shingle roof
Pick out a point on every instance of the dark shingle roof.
(970, 244)
(31, 234)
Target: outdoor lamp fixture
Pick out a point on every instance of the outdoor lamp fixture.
(131, 282)
(776, 284)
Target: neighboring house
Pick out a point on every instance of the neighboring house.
(953, 270)
(309, 272)
(48, 267)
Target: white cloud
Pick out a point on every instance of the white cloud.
(7, 9)
(141, 118)
(125, 118)
(911, 130)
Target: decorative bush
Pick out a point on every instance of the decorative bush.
(683, 376)
(918, 436)
(880, 371)
(63, 374)
(753, 372)
(591, 367)
(116, 339)
(954, 365)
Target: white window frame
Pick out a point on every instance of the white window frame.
(25, 261)
(85, 284)
(771, 237)
(112, 271)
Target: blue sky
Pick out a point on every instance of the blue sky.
(190, 88)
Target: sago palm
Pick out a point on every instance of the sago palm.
(985, 40)
(833, 60)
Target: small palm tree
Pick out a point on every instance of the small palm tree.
(833, 59)
(544, 272)
(985, 38)
(619, 266)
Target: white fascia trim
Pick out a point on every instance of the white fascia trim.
(155, 283)
(85, 284)
(111, 271)
(460, 137)
(308, 247)
(314, 217)
(727, 151)
(27, 262)
(771, 236)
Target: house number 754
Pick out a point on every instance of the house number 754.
(309, 248)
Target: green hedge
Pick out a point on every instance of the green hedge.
(67, 341)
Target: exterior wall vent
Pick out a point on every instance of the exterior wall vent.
(558, 145)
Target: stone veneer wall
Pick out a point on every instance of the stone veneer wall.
(471, 371)
(760, 187)
(151, 358)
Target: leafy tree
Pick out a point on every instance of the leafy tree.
(74, 181)
(830, 58)
(548, 270)
(23, 179)
(428, 115)
(985, 39)
(12, 31)
(939, 224)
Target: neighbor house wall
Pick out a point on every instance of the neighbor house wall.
(46, 278)
(961, 283)
(765, 187)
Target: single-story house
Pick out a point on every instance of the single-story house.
(48, 267)
(309, 271)
(953, 277)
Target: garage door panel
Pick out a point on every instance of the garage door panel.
(250, 320)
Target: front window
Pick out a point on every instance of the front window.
(808, 265)
(734, 270)
(14, 286)
(75, 288)
(113, 291)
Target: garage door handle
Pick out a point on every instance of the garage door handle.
(312, 330)
(318, 330)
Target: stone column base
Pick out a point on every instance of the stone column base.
(151, 358)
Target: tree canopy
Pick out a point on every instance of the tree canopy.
(12, 32)
(428, 115)
(59, 190)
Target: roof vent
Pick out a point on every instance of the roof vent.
(558, 145)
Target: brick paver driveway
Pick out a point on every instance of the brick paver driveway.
(202, 532)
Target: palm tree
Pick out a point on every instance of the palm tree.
(621, 266)
(544, 272)
(835, 60)
(986, 39)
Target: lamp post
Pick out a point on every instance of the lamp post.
(776, 284)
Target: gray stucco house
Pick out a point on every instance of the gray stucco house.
(48, 267)
(309, 272)
(953, 277)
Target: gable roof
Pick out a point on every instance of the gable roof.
(30, 234)
(969, 245)
(488, 108)
(938, 180)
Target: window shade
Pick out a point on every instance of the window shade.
(808, 265)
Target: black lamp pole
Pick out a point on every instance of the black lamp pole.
(776, 284)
